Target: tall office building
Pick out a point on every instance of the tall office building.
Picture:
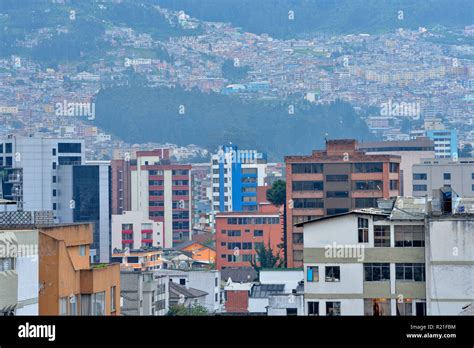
(84, 196)
(162, 190)
(410, 151)
(235, 176)
(29, 169)
(334, 181)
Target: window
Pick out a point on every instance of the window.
(54, 193)
(8, 161)
(308, 203)
(54, 165)
(291, 311)
(8, 148)
(63, 304)
(86, 304)
(313, 308)
(82, 250)
(234, 245)
(337, 178)
(337, 194)
(363, 230)
(446, 176)
(333, 308)
(7, 264)
(54, 152)
(420, 176)
(98, 303)
(394, 167)
(312, 274)
(233, 233)
(377, 307)
(368, 185)
(247, 257)
(113, 291)
(333, 274)
(297, 238)
(247, 246)
(55, 178)
(382, 236)
(180, 172)
(69, 147)
(306, 168)
(420, 187)
(308, 185)
(393, 184)
(404, 309)
(365, 202)
(335, 211)
(376, 167)
(410, 271)
(374, 272)
(69, 160)
(409, 236)
(155, 182)
(182, 281)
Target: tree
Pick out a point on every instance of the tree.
(267, 258)
(277, 193)
(182, 310)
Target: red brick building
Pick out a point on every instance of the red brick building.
(238, 234)
(333, 181)
(237, 297)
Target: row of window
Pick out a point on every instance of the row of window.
(237, 233)
(367, 185)
(90, 304)
(372, 307)
(238, 245)
(175, 192)
(372, 272)
(371, 167)
(253, 221)
(405, 235)
(315, 203)
(174, 172)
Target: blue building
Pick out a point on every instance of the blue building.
(445, 142)
(235, 176)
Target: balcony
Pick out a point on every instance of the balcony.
(127, 231)
(127, 241)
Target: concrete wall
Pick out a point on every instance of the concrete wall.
(450, 266)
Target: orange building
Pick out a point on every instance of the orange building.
(69, 284)
(238, 234)
(199, 252)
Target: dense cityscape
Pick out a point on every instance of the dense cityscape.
(188, 204)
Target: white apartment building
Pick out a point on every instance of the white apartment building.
(366, 262)
(133, 229)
